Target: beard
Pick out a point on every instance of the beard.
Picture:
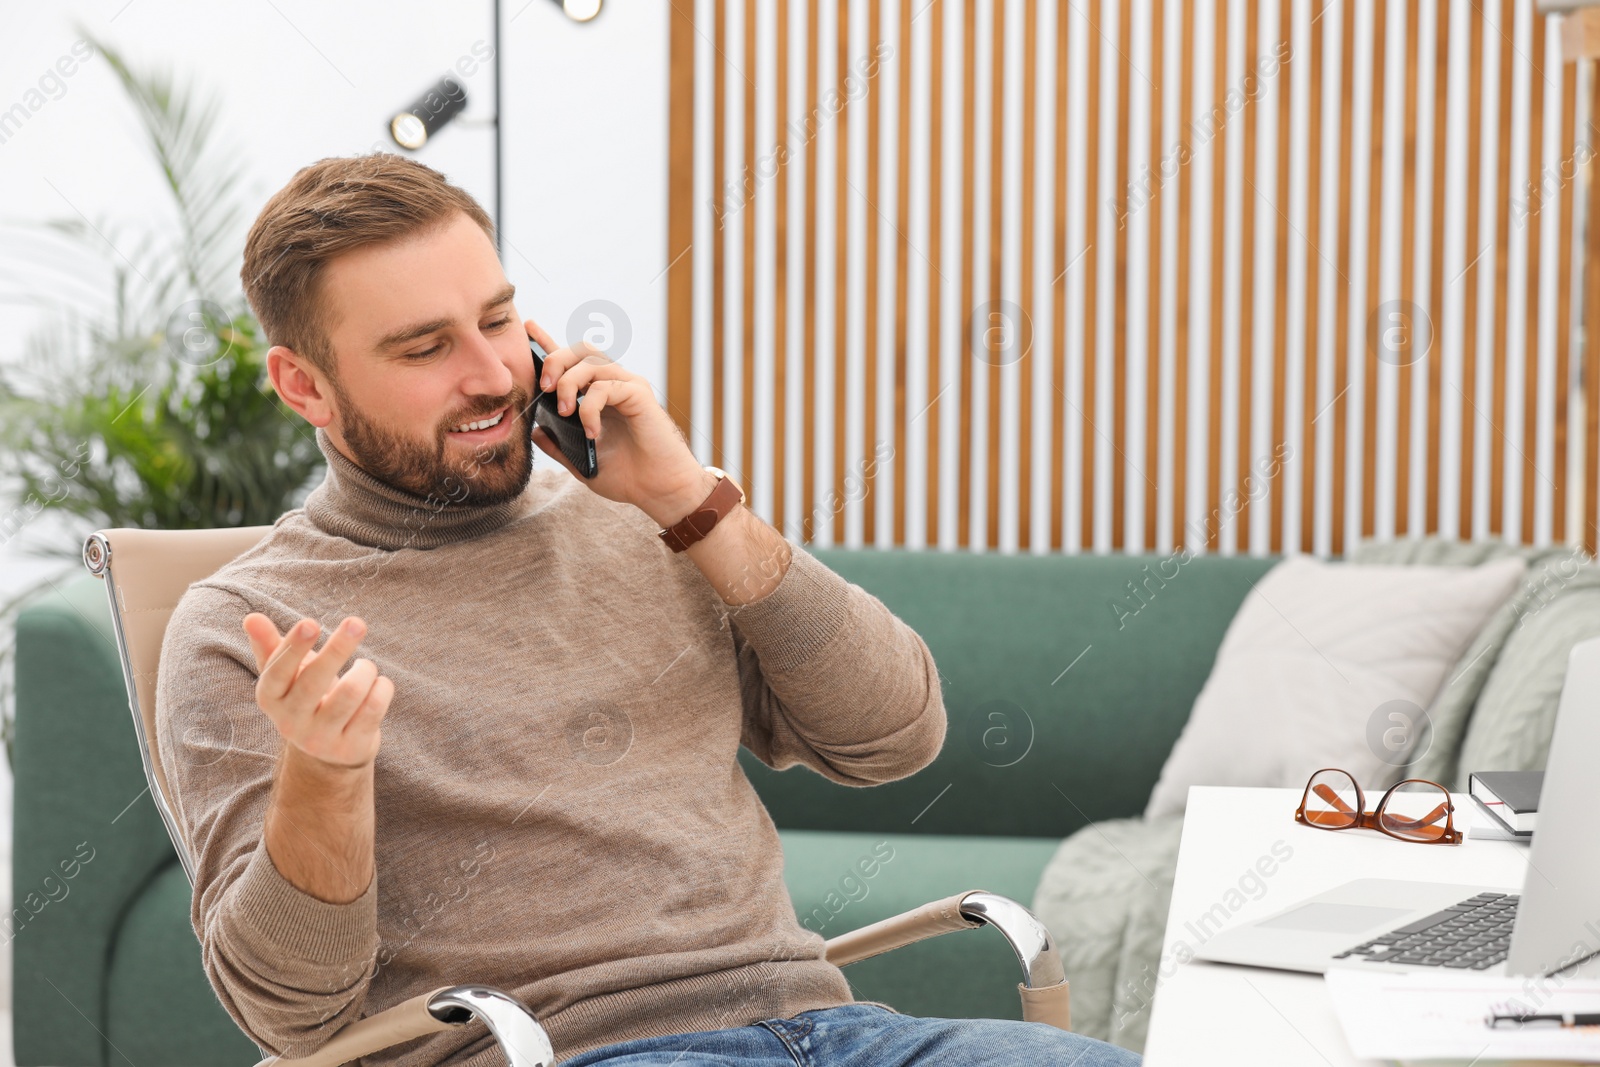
(433, 466)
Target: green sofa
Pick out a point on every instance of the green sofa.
(1067, 680)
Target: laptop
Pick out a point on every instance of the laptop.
(1553, 924)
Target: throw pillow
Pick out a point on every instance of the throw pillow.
(1551, 569)
(1329, 665)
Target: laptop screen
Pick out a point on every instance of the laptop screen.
(1558, 920)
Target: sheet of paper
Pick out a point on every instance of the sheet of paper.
(1421, 1016)
(1485, 827)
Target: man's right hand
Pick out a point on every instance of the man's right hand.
(332, 719)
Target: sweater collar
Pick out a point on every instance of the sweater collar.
(357, 506)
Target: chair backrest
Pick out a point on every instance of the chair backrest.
(146, 573)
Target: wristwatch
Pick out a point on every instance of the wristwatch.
(724, 497)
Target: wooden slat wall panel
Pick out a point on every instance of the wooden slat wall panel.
(1134, 275)
(1314, 265)
(1435, 303)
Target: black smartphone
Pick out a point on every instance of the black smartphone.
(566, 430)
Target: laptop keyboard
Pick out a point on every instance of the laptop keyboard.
(1472, 935)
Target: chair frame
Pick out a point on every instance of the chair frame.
(97, 558)
(524, 1042)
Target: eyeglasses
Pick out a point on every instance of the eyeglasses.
(1333, 801)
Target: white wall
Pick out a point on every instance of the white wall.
(584, 122)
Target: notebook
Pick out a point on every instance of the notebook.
(1510, 796)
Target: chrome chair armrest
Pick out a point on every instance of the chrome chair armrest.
(1044, 986)
(519, 1034)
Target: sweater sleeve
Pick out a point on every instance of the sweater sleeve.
(832, 679)
(291, 969)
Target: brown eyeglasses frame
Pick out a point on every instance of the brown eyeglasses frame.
(1368, 820)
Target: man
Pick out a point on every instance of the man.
(527, 778)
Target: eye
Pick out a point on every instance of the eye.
(425, 353)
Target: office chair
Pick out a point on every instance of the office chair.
(146, 572)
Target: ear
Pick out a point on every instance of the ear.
(301, 385)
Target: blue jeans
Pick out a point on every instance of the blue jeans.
(864, 1035)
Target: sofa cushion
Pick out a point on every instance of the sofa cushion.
(1066, 680)
(1324, 665)
(159, 1006)
(80, 796)
(843, 881)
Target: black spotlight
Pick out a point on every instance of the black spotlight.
(443, 101)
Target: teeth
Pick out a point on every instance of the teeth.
(481, 424)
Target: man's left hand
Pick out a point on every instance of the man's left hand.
(644, 458)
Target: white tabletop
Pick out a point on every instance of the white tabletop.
(1206, 1013)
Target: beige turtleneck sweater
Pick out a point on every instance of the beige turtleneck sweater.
(559, 809)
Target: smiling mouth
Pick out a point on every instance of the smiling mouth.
(487, 422)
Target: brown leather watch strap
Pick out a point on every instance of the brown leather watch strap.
(724, 497)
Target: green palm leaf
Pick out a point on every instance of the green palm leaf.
(110, 419)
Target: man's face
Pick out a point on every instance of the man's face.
(426, 339)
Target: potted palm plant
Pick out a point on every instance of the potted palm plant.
(152, 409)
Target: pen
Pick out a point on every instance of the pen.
(1564, 1020)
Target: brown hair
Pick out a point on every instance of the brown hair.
(331, 207)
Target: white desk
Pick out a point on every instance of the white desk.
(1216, 1014)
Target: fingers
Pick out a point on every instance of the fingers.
(579, 367)
(536, 332)
(559, 361)
(295, 675)
(372, 710)
(330, 717)
(594, 402)
(317, 677)
(341, 702)
(343, 730)
(264, 637)
(283, 663)
(556, 360)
